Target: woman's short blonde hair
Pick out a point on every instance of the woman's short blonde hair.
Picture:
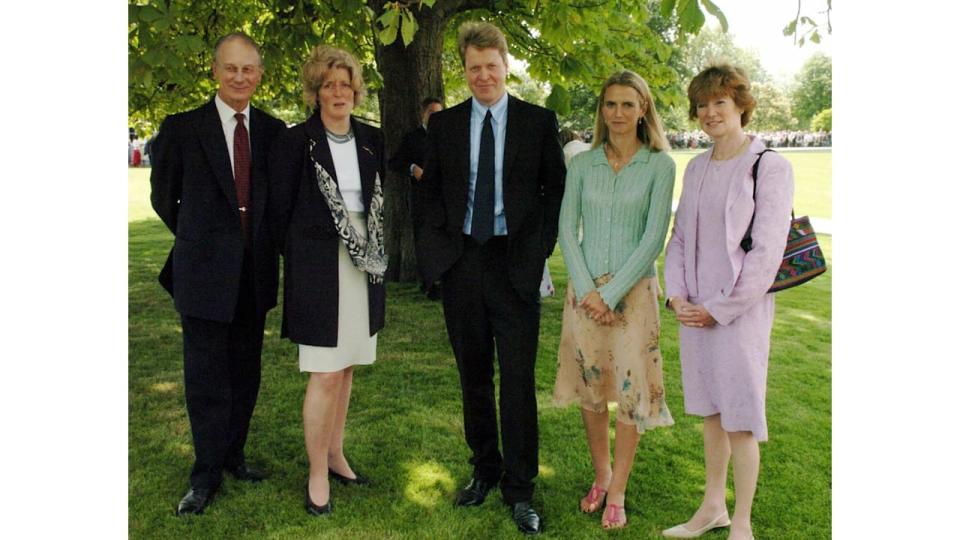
(722, 80)
(323, 60)
(649, 130)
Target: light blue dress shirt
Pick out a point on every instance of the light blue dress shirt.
(478, 113)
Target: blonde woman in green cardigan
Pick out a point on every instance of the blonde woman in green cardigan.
(619, 193)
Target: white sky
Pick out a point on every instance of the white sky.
(758, 25)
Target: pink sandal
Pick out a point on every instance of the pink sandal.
(614, 517)
(594, 499)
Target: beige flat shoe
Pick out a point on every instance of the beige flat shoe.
(723, 520)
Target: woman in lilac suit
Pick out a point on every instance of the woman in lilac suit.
(719, 292)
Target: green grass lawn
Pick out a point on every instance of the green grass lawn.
(812, 170)
(813, 179)
(405, 430)
(138, 194)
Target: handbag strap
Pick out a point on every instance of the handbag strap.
(747, 243)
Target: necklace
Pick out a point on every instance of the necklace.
(716, 157)
(339, 139)
(616, 160)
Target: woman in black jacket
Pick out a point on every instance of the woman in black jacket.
(327, 212)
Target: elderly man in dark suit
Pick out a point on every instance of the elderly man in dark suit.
(491, 197)
(209, 187)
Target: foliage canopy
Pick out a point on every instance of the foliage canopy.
(563, 43)
(814, 88)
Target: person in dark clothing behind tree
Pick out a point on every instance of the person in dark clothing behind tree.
(408, 160)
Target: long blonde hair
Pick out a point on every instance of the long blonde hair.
(649, 130)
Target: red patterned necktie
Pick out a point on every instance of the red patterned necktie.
(241, 174)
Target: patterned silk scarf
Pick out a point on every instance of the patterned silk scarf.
(366, 253)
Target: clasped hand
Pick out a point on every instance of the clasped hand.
(597, 309)
(693, 315)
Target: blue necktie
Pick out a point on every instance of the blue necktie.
(482, 226)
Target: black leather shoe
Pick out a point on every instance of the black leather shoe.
(246, 474)
(314, 510)
(360, 480)
(475, 492)
(195, 501)
(526, 518)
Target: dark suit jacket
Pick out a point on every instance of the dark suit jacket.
(193, 192)
(303, 226)
(533, 179)
(412, 150)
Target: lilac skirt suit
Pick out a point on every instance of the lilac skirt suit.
(724, 367)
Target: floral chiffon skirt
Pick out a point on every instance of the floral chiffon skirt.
(621, 363)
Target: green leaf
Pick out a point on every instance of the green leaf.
(389, 34)
(690, 17)
(429, 3)
(715, 11)
(815, 37)
(666, 8)
(389, 17)
(800, 42)
(154, 57)
(570, 67)
(196, 44)
(559, 100)
(161, 24)
(189, 44)
(790, 28)
(408, 27)
(390, 20)
(148, 14)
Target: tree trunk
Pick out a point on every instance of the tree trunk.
(410, 74)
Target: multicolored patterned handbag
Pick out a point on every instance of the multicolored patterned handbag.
(802, 259)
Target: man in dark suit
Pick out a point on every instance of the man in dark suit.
(408, 160)
(490, 202)
(209, 187)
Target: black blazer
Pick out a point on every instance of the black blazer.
(411, 151)
(533, 179)
(193, 192)
(302, 224)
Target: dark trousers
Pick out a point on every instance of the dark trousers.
(221, 373)
(483, 312)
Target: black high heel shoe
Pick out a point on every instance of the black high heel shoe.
(360, 480)
(312, 509)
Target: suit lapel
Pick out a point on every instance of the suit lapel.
(739, 194)
(515, 128)
(690, 240)
(367, 159)
(258, 177)
(215, 147)
(321, 150)
(461, 121)
(513, 140)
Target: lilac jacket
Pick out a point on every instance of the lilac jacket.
(748, 275)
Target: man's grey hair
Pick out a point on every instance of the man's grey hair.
(242, 37)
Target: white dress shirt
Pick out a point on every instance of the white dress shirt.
(229, 123)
